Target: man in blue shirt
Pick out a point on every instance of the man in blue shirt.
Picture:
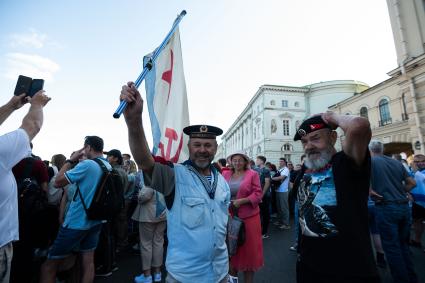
(78, 232)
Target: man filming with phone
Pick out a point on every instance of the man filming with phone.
(15, 146)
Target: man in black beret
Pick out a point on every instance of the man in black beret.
(335, 243)
(196, 195)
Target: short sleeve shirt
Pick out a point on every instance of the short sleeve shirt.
(14, 146)
(86, 175)
(264, 173)
(334, 219)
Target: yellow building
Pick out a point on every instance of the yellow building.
(396, 107)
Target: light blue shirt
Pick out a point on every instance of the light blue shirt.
(418, 192)
(86, 175)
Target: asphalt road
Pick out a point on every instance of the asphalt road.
(279, 264)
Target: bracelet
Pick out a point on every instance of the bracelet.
(71, 162)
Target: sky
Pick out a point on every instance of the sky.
(86, 51)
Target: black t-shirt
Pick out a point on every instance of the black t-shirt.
(334, 218)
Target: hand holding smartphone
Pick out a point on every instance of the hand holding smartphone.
(28, 86)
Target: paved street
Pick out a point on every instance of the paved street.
(279, 262)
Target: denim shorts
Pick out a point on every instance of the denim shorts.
(71, 240)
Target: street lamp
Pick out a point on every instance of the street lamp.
(417, 145)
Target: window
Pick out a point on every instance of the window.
(255, 133)
(272, 102)
(286, 147)
(258, 149)
(363, 113)
(284, 103)
(384, 113)
(287, 157)
(285, 127)
(297, 104)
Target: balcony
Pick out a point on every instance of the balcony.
(385, 122)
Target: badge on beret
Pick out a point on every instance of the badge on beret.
(202, 131)
(301, 132)
(309, 125)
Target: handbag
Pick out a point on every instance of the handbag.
(235, 232)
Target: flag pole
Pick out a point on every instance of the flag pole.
(149, 64)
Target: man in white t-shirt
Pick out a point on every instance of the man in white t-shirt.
(282, 195)
(15, 146)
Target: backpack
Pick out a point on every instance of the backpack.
(276, 184)
(38, 221)
(108, 199)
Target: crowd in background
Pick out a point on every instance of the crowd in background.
(58, 241)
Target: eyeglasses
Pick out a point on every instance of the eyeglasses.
(419, 161)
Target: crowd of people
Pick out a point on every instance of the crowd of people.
(340, 201)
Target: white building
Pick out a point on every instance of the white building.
(267, 125)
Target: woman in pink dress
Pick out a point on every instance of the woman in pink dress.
(246, 194)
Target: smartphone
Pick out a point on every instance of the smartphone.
(37, 85)
(23, 85)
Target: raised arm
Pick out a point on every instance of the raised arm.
(33, 121)
(357, 134)
(136, 134)
(16, 102)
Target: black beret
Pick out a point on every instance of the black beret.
(202, 131)
(310, 125)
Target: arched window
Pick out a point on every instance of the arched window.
(272, 102)
(297, 104)
(384, 113)
(363, 113)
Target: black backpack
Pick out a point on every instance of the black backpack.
(276, 184)
(108, 200)
(36, 217)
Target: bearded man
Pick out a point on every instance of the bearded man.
(335, 243)
(196, 195)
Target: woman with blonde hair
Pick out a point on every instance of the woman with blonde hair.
(246, 194)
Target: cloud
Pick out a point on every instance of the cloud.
(32, 65)
(31, 39)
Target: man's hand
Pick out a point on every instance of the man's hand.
(374, 195)
(39, 99)
(329, 118)
(17, 101)
(77, 155)
(131, 95)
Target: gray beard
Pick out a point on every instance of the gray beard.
(315, 164)
(202, 165)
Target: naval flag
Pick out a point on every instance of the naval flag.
(167, 102)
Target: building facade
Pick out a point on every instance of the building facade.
(267, 125)
(396, 107)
